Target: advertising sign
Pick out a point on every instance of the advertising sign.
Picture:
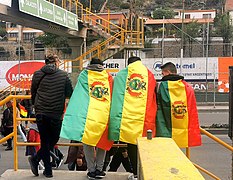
(190, 68)
(12, 72)
(223, 76)
(50, 12)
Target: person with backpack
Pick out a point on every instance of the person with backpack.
(50, 87)
(7, 123)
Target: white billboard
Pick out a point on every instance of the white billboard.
(190, 68)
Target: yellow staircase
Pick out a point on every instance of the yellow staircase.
(118, 38)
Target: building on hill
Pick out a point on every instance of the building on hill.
(170, 36)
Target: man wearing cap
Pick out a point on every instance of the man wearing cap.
(50, 87)
(87, 115)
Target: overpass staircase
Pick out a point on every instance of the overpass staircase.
(116, 37)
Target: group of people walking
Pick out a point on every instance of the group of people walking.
(102, 111)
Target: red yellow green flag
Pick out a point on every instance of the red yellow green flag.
(23, 111)
(133, 107)
(87, 115)
(177, 115)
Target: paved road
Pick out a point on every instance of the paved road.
(210, 156)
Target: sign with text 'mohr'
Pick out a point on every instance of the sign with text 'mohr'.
(50, 12)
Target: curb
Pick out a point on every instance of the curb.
(212, 110)
(217, 131)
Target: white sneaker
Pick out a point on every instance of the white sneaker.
(132, 177)
(41, 166)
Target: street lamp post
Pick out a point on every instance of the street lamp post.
(182, 38)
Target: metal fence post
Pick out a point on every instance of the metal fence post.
(230, 131)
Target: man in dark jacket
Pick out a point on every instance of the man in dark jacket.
(7, 123)
(50, 87)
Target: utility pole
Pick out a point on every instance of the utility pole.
(182, 38)
(163, 39)
(207, 54)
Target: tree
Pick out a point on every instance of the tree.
(224, 30)
(55, 41)
(167, 13)
(193, 31)
(3, 33)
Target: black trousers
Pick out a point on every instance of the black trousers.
(49, 130)
(133, 156)
(8, 130)
(117, 159)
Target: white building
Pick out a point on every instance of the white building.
(196, 14)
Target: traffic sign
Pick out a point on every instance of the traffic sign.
(72, 20)
(46, 10)
(29, 7)
(60, 15)
(50, 12)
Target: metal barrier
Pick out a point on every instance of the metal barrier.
(16, 143)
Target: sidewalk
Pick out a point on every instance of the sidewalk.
(213, 108)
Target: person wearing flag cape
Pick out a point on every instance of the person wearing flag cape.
(177, 115)
(87, 115)
(133, 108)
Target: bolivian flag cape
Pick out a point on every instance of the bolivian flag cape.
(133, 108)
(177, 115)
(87, 115)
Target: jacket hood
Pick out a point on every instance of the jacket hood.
(49, 68)
(34, 126)
(172, 77)
(95, 67)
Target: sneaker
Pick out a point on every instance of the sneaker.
(132, 177)
(99, 174)
(59, 162)
(41, 166)
(91, 175)
(34, 165)
(8, 149)
(48, 175)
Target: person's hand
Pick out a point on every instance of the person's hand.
(79, 162)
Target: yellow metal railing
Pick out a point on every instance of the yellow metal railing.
(13, 89)
(16, 143)
(219, 141)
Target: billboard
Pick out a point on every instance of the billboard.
(190, 68)
(12, 71)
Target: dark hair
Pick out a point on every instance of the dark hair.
(169, 66)
(96, 61)
(133, 59)
(51, 58)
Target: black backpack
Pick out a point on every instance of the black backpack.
(8, 117)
